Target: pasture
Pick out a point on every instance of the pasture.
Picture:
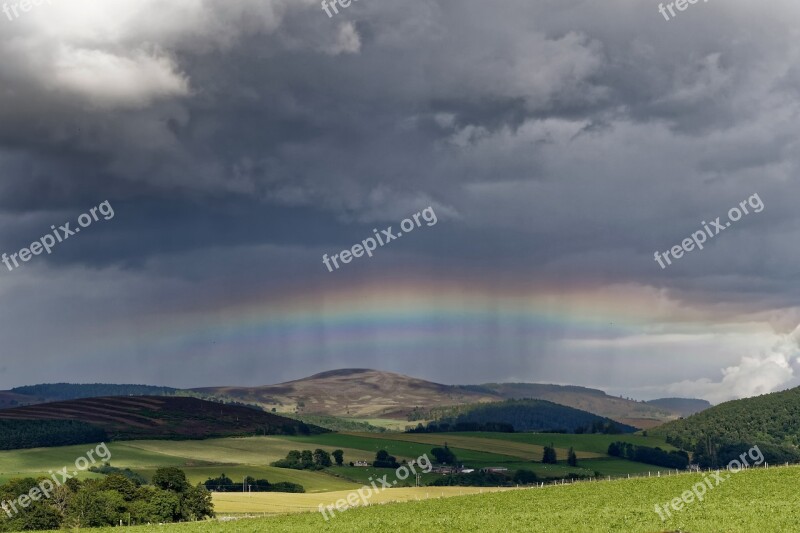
(753, 501)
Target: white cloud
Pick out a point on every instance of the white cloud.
(754, 375)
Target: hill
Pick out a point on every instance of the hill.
(522, 415)
(56, 392)
(639, 414)
(683, 406)
(354, 393)
(155, 417)
(771, 421)
(366, 395)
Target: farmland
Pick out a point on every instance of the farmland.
(755, 500)
(251, 456)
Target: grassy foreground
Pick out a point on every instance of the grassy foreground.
(756, 500)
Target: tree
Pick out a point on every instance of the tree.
(338, 456)
(197, 504)
(322, 458)
(549, 455)
(525, 477)
(121, 485)
(572, 459)
(39, 516)
(384, 460)
(306, 459)
(221, 484)
(444, 455)
(170, 478)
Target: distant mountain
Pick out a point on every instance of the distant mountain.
(368, 394)
(683, 406)
(159, 417)
(54, 392)
(353, 393)
(639, 414)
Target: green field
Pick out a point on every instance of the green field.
(594, 443)
(239, 457)
(757, 501)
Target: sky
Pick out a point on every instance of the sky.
(558, 145)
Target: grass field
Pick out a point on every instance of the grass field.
(238, 457)
(757, 501)
(479, 442)
(593, 443)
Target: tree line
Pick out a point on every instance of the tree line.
(105, 502)
(19, 434)
(652, 456)
(225, 484)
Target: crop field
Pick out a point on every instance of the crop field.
(283, 503)
(757, 501)
(238, 457)
(478, 442)
(594, 443)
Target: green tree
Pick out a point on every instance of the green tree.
(338, 456)
(121, 485)
(165, 506)
(444, 455)
(549, 455)
(95, 508)
(306, 459)
(39, 516)
(525, 477)
(572, 459)
(322, 458)
(170, 478)
(384, 460)
(197, 504)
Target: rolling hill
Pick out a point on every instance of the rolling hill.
(522, 416)
(771, 419)
(363, 395)
(639, 414)
(353, 393)
(56, 392)
(683, 406)
(158, 417)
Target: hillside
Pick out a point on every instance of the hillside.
(371, 394)
(639, 414)
(772, 421)
(56, 392)
(683, 406)
(353, 393)
(154, 417)
(522, 415)
(363, 393)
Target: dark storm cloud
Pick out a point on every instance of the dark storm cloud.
(557, 140)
